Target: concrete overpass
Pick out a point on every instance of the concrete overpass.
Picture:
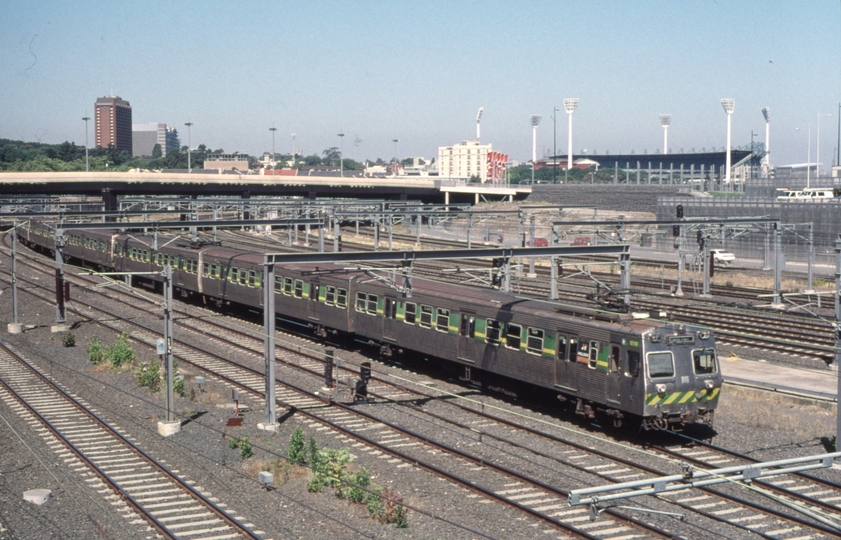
(110, 185)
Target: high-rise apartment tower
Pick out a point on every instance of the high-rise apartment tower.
(113, 123)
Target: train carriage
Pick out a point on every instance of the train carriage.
(660, 373)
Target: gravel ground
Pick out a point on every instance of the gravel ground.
(767, 427)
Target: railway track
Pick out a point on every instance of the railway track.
(138, 483)
(525, 493)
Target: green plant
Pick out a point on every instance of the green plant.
(393, 510)
(297, 451)
(362, 479)
(96, 353)
(246, 450)
(120, 352)
(314, 485)
(314, 453)
(149, 375)
(374, 503)
(69, 339)
(178, 386)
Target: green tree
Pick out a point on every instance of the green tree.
(156, 151)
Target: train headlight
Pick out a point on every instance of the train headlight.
(704, 334)
(709, 384)
(661, 389)
(681, 329)
(655, 338)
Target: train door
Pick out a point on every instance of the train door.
(389, 318)
(466, 337)
(613, 388)
(566, 374)
(313, 307)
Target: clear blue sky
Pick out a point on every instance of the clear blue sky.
(418, 71)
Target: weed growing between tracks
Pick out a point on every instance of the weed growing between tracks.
(328, 467)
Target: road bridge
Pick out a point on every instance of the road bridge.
(110, 185)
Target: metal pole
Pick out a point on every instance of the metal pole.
(269, 329)
(625, 278)
(766, 263)
(469, 227)
(531, 232)
(60, 314)
(836, 361)
(706, 257)
(336, 235)
(170, 396)
(680, 263)
(778, 264)
(321, 238)
(809, 287)
(87, 159)
(14, 277)
(555, 146)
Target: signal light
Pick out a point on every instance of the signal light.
(676, 230)
(680, 211)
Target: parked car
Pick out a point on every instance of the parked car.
(582, 241)
(722, 257)
(538, 242)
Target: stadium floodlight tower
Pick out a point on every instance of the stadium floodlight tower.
(569, 105)
(766, 112)
(535, 120)
(273, 129)
(728, 104)
(665, 120)
(478, 118)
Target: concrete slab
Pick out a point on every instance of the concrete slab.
(802, 381)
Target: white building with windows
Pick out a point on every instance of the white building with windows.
(472, 159)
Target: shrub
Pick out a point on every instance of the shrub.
(297, 449)
(149, 375)
(314, 453)
(362, 479)
(69, 340)
(393, 510)
(374, 504)
(120, 352)
(246, 450)
(178, 386)
(96, 353)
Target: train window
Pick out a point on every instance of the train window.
(145, 255)
(632, 363)
(613, 365)
(492, 331)
(288, 283)
(426, 316)
(243, 276)
(366, 303)
(513, 336)
(468, 325)
(534, 343)
(410, 313)
(330, 296)
(660, 365)
(299, 288)
(442, 320)
(341, 298)
(252, 278)
(233, 274)
(593, 359)
(573, 350)
(278, 284)
(562, 347)
(704, 361)
(157, 258)
(205, 271)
